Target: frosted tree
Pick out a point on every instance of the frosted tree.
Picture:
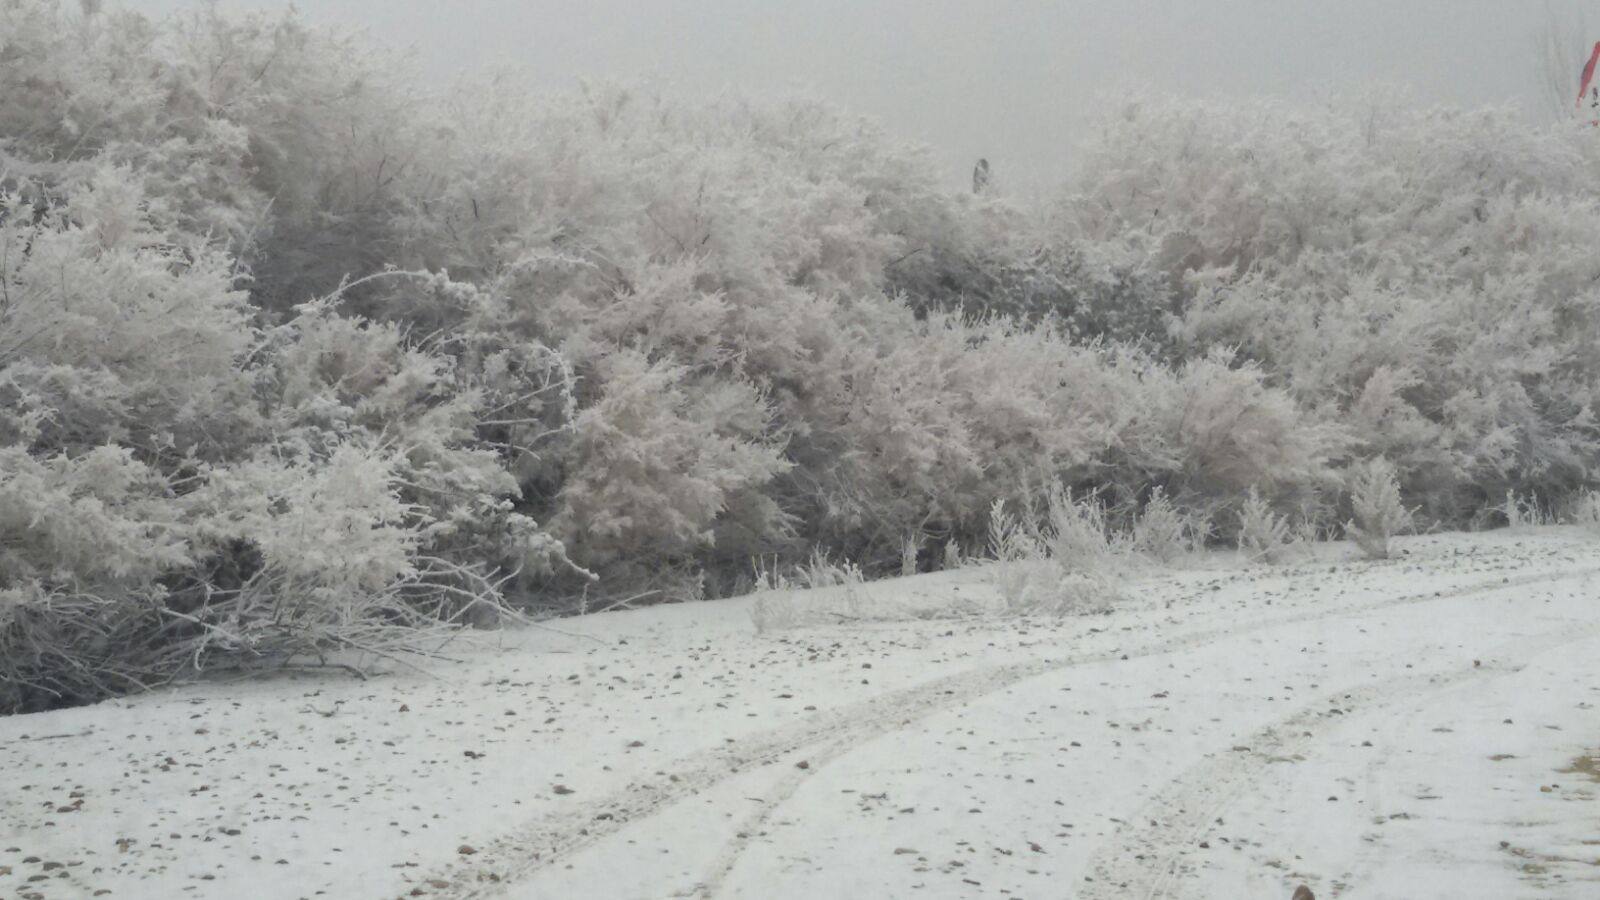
(1375, 502)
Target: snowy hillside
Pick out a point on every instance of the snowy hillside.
(1420, 727)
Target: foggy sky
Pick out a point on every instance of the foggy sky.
(1006, 79)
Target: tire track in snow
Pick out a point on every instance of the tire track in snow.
(1155, 848)
(711, 884)
(1369, 855)
(517, 854)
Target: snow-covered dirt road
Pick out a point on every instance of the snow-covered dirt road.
(1423, 727)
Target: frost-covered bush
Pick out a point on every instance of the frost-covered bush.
(1016, 555)
(662, 461)
(84, 542)
(1586, 511)
(1375, 502)
(112, 332)
(910, 546)
(773, 611)
(952, 558)
(1055, 560)
(1424, 277)
(1164, 531)
(79, 94)
(1077, 535)
(1525, 511)
(1264, 535)
(1040, 269)
(180, 487)
(1230, 432)
(285, 144)
(713, 272)
(820, 571)
(651, 229)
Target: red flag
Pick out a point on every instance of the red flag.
(1588, 74)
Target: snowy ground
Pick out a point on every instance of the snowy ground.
(1425, 727)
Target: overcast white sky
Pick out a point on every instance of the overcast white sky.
(1006, 79)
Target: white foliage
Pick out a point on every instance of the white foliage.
(1375, 500)
(1165, 532)
(110, 332)
(1425, 277)
(1264, 535)
(660, 457)
(1060, 564)
(1586, 511)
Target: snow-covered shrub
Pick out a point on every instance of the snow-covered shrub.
(1017, 556)
(754, 244)
(1165, 532)
(331, 558)
(736, 251)
(1231, 433)
(910, 546)
(774, 607)
(950, 415)
(1264, 535)
(1054, 561)
(1586, 511)
(821, 591)
(122, 374)
(1084, 554)
(952, 558)
(187, 488)
(773, 611)
(1525, 511)
(991, 257)
(84, 543)
(1424, 277)
(328, 380)
(284, 144)
(1038, 268)
(112, 333)
(1076, 534)
(1375, 501)
(664, 459)
(82, 93)
(819, 571)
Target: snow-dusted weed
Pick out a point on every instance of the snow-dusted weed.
(1166, 533)
(1265, 535)
(1585, 511)
(1526, 511)
(1057, 567)
(1375, 500)
(819, 592)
